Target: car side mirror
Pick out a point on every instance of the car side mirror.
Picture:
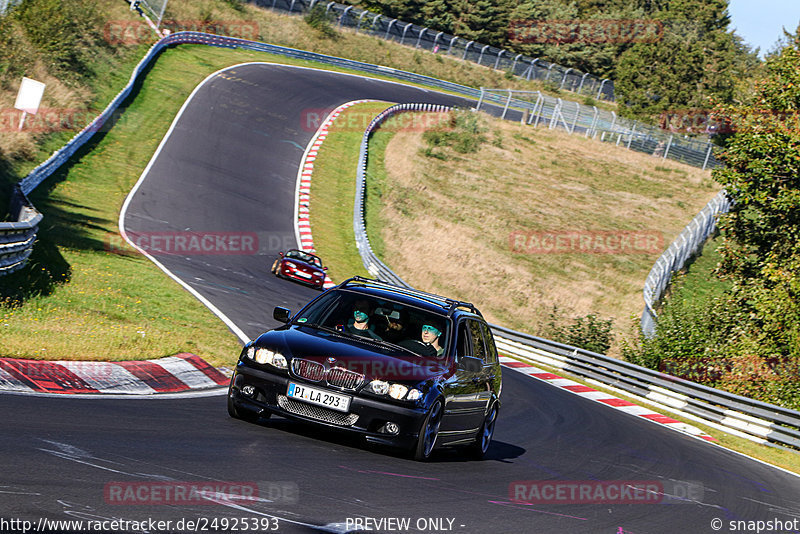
(324, 268)
(281, 314)
(470, 364)
(281, 253)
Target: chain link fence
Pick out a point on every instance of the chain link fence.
(539, 109)
(686, 245)
(5, 5)
(409, 34)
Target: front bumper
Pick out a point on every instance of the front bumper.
(314, 281)
(366, 416)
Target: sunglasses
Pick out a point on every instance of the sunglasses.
(429, 328)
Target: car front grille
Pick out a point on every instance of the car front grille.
(308, 369)
(344, 378)
(336, 376)
(316, 412)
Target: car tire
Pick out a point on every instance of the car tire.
(240, 413)
(484, 438)
(428, 432)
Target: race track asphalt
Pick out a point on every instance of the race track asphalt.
(230, 165)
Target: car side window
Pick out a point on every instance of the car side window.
(491, 348)
(464, 344)
(478, 348)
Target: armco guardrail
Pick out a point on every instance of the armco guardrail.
(17, 238)
(755, 420)
(419, 37)
(59, 157)
(686, 245)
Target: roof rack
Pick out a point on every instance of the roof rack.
(451, 305)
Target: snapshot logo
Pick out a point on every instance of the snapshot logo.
(192, 493)
(354, 121)
(605, 492)
(185, 243)
(586, 242)
(586, 31)
(133, 32)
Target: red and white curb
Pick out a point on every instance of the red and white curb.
(179, 373)
(602, 397)
(303, 221)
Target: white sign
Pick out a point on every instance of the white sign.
(29, 96)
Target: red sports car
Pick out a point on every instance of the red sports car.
(300, 266)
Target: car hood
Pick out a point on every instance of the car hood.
(371, 359)
(307, 267)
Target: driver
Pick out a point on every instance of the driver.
(430, 336)
(359, 324)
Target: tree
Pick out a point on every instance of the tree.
(696, 59)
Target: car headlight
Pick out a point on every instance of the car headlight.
(251, 352)
(271, 357)
(291, 265)
(395, 391)
(318, 274)
(379, 387)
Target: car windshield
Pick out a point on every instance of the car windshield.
(420, 331)
(304, 257)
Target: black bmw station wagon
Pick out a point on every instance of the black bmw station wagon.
(398, 366)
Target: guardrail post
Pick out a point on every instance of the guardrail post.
(514, 65)
(344, 15)
(388, 29)
(466, 49)
(530, 70)
(359, 19)
(602, 85)
(630, 135)
(708, 155)
(419, 37)
(482, 51)
(403, 38)
(450, 46)
(564, 79)
(669, 145)
(480, 100)
(508, 102)
(497, 61)
(549, 71)
(583, 78)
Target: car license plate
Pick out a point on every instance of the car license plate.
(320, 397)
(301, 273)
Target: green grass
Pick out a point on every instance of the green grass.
(333, 187)
(698, 282)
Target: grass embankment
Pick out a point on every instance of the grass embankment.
(467, 224)
(341, 255)
(76, 301)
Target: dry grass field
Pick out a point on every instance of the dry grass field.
(482, 226)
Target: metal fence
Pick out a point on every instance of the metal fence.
(5, 5)
(539, 109)
(747, 418)
(409, 34)
(686, 245)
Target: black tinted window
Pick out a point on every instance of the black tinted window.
(491, 349)
(478, 348)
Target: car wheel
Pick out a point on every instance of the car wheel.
(240, 413)
(484, 437)
(429, 432)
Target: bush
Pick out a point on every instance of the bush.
(589, 332)
(322, 21)
(464, 133)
